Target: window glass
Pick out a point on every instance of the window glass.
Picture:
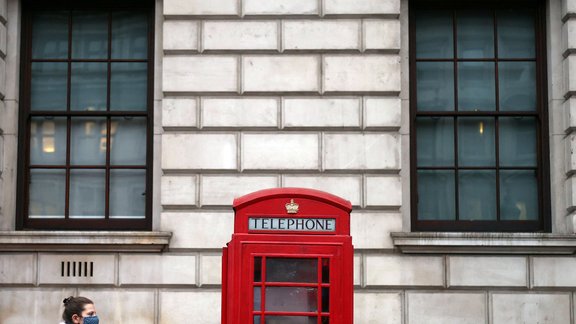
(127, 193)
(475, 34)
(129, 35)
(434, 36)
(516, 33)
(50, 35)
(435, 86)
(87, 193)
(476, 86)
(47, 193)
(128, 141)
(48, 141)
(518, 195)
(436, 195)
(48, 86)
(517, 82)
(476, 142)
(89, 35)
(477, 195)
(88, 89)
(88, 141)
(517, 142)
(128, 86)
(435, 141)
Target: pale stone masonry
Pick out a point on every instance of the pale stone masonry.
(255, 94)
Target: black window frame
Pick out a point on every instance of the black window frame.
(543, 224)
(23, 222)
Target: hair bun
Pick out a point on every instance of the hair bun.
(67, 300)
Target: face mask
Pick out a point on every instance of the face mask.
(91, 320)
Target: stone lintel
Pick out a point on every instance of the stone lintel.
(89, 241)
(484, 243)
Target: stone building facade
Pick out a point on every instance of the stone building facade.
(255, 94)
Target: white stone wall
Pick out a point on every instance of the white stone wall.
(256, 94)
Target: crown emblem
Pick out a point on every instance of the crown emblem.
(292, 207)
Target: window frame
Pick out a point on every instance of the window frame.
(23, 222)
(543, 224)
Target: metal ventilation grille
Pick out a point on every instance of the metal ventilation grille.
(77, 269)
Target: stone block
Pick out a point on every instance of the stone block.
(17, 268)
(280, 7)
(200, 74)
(569, 114)
(382, 34)
(487, 271)
(554, 271)
(396, 270)
(240, 112)
(211, 269)
(180, 35)
(357, 270)
(382, 112)
(447, 308)
(71, 269)
(570, 185)
(280, 151)
(321, 112)
(3, 37)
(158, 269)
(361, 151)
(384, 191)
(367, 73)
(3, 10)
(321, 34)
(201, 305)
(569, 76)
(570, 141)
(2, 78)
(199, 151)
(32, 305)
(531, 308)
(371, 230)
(178, 190)
(373, 7)
(373, 307)
(179, 112)
(123, 306)
(347, 187)
(197, 230)
(240, 35)
(568, 8)
(287, 73)
(200, 7)
(221, 190)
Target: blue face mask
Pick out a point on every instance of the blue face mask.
(91, 320)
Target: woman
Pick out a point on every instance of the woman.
(79, 310)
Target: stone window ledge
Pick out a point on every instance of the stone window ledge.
(83, 241)
(484, 243)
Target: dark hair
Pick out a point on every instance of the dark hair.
(74, 305)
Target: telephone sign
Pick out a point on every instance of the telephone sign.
(289, 260)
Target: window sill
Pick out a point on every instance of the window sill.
(485, 243)
(84, 241)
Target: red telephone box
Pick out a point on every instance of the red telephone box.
(290, 260)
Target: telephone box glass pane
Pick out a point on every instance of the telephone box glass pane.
(325, 300)
(291, 299)
(257, 298)
(291, 320)
(256, 319)
(257, 269)
(291, 270)
(325, 270)
(325, 320)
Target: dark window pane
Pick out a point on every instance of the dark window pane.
(516, 34)
(475, 34)
(291, 299)
(257, 269)
(48, 141)
(47, 193)
(434, 34)
(129, 86)
(48, 86)
(436, 195)
(256, 319)
(89, 35)
(435, 141)
(518, 195)
(257, 298)
(325, 299)
(291, 320)
(517, 141)
(129, 35)
(435, 86)
(127, 194)
(517, 86)
(128, 141)
(325, 320)
(50, 35)
(88, 89)
(476, 139)
(325, 270)
(477, 195)
(476, 86)
(291, 270)
(88, 141)
(87, 198)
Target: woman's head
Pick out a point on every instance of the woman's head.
(77, 309)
